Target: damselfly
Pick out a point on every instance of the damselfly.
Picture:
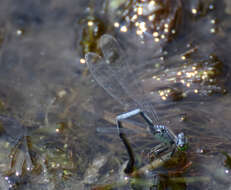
(113, 73)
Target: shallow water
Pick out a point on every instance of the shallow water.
(43, 83)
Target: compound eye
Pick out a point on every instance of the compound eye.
(163, 130)
(181, 136)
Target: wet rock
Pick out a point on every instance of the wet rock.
(92, 173)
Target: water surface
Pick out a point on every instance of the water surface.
(57, 105)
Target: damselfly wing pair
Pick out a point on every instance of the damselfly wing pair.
(113, 72)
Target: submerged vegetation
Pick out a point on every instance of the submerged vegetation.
(92, 29)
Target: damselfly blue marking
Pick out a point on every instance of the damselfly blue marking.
(113, 73)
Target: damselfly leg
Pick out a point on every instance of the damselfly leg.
(159, 131)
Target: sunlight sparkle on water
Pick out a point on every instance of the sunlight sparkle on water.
(82, 61)
(194, 11)
(124, 29)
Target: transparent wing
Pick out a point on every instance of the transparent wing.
(114, 74)
(105, 78)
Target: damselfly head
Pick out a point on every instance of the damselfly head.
(110, 49)
(182, 143)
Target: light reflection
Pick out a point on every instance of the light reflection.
(195, 77)
(126, 178)
(139, 32)
(163, 36)
(194, 11)
(123, 29)
(212, 30)
(82, 61)
(170, 94)
(116, 25)
(156, 39)
(145, 16)
(161, 93)
(166, 30)
(163, 98)
(173, 31)
(182, 81)
(19, 32)
(152, 3)
(213, 21)
(134, 18)
(90, 23)
(155, 34)
(151, 17)
(140, 11)
(211, 6)
(183, 57)
(62, 93)
(166, 25)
